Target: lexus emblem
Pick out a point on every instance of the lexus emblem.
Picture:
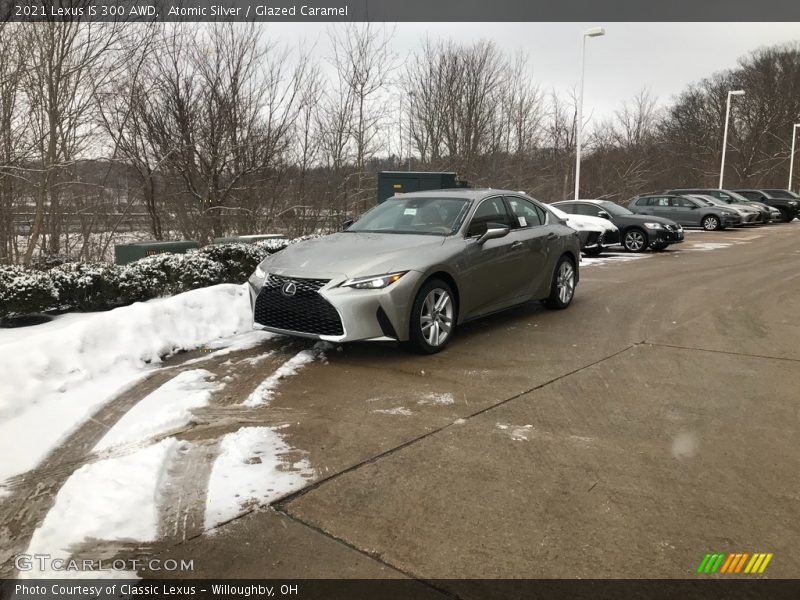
(289, 288)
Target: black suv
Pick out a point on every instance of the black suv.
(728, 197)
(637, 232)
(787, 206)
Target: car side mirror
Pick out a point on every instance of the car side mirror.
(604, 215)
(347, 224)
(493, 231)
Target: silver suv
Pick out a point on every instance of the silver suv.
(689, 212)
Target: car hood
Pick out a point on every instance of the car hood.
(590, 223)
(354, 254)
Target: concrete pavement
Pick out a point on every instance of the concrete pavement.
(653, 421)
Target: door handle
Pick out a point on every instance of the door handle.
(516, 245)
(551, 236)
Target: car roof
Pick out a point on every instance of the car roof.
(592, 201)
(461, 193)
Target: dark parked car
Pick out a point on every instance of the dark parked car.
(689, 212)
(783, 194)
(786, 206)
(637, 232)
(728, 197)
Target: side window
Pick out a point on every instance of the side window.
(588, 209)
(526, 213)
(644, 201)
(491, 210)
(569, 208)
(679, 202)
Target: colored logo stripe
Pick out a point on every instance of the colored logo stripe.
(734, 563)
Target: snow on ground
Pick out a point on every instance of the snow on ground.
(266, 389)
(227, 345)
(165, 410)
(112, 499)
(251, 469)
(59, 374)
(398, 410)
(434, 398)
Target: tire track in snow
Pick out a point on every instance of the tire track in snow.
(181, 513)
(33, 493)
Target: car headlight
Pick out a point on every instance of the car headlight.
(654, 225)
(374, 282)
(259, 273)
(726, 213)
(792, 203)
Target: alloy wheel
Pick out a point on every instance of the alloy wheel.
(565, 282)
(634, 241)
(436, 317)
(710, 223)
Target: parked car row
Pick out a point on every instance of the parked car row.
(420, 264)
(656, 220)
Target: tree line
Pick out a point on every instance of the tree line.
(195, 132)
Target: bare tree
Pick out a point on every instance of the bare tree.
(66, 62)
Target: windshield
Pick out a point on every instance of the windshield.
(417, 215)
(702, 201)
(738, 198)
(615, 210)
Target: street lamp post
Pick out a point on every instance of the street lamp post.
(791, 160)
(593, 32)
(725, 134)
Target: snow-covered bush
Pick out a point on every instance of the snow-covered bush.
(239, 260)
(86, 286)
(25, 291)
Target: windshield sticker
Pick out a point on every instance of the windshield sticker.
(522, 222)
(410, 211)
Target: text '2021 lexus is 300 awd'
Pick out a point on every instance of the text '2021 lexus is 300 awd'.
(416, 266)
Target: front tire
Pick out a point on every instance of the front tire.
(635, 240)
(711, 223)
(433, 318)
(595, 251)
(562, 288)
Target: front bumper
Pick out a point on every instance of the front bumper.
(666, 235)
(732, 221)
(322, 309)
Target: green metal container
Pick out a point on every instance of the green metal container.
(127, 253)
(249, 239)
(403, 182)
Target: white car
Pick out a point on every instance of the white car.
(595, 233)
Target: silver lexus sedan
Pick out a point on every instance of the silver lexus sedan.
(417, 265)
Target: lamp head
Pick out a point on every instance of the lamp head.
(736, 92)
(595, 32)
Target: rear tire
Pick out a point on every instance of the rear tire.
(433, 318)
(562, 287)
(635, 240)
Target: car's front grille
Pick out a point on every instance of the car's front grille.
(304, 311)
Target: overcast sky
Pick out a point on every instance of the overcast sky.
(664, 57)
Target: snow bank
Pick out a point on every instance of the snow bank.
(56, 378)
(113, 499)
(164, 410)
(132, 335)
(250, 470)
